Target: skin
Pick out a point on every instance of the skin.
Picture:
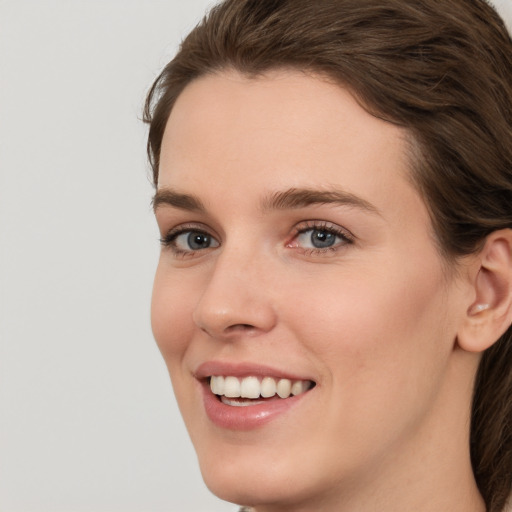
(373, 321)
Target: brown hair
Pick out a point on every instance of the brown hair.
(441, 69)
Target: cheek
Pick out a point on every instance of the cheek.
(377, 333)
(171, 314)
(379, 344)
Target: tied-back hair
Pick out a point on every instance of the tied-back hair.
(442, 69)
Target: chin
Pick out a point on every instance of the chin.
(256, 475)
(251, 489)
(252, 486)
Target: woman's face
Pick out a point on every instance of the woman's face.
(295, 248)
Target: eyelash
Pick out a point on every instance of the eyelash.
(314, 225)
(169, 240)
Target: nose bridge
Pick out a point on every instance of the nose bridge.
(235, 297)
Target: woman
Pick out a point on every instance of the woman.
(334, 294)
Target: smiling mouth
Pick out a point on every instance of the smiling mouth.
(247, 391)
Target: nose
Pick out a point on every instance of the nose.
(237, 298)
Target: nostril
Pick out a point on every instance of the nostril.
(235, 329)
(241, 327)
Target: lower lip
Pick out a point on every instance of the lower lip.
(248, 417)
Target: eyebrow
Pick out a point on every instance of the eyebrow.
(293, 198)
(178, 200)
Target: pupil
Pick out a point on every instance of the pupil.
(322, 239)
(198, 241)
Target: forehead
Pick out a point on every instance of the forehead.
(284, 101)
(284, 129)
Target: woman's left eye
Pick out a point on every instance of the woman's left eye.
(320, 238)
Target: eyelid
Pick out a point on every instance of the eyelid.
(320, 225)
(168, 239)
(348, 238)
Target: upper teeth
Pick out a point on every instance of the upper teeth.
(253, 387)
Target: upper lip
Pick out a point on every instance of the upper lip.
(244, 369)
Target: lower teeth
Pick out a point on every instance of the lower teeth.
(239, 402)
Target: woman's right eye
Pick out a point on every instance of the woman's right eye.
(188, 241)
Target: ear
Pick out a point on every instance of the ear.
(490, 313)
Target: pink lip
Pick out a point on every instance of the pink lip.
(244, 418)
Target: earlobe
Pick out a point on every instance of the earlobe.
(490, 313)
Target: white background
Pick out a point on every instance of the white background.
(87, 417)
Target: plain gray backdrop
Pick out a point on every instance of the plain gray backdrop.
(88, 422)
